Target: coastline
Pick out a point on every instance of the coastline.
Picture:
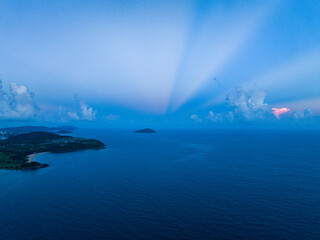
(32, 157)
(20, 151)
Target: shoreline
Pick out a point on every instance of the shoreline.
(31, 157)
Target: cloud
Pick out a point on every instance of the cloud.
(196, 118)
(87, 113)
(306, 114)
(301, 104)
(248, 105)
(73, 115)
(18, 103)
(214, 117)
(278, 111)
(84, 112)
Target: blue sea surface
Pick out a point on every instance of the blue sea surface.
(175, 184)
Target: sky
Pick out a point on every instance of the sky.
(160, 63)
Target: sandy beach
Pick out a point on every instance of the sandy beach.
(31, 157)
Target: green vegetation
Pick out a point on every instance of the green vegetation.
(8, 162)
(15, 149)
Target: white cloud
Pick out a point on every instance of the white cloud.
(87, 113)
(73, 115)
(195, 118)
(249, 105)
(84, 112)
(18, 103)
(214, 117)
(306, 114)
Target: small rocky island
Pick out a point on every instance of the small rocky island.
(146, 130)
(15, 150)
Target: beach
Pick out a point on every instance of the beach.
(31, 157)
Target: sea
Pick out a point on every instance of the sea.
(175, 184)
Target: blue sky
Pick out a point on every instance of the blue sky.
(160, 63)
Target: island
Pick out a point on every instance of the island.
(146, 130)
(12, 131)
(17, 152)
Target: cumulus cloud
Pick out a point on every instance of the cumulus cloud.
(73, 115)
(18, 103)
(84, 112)
(246, 105)
(214, 117)
(195, 118)
(249, 105)
(87, 113)
(306, 114)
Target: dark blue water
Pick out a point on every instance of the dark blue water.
(170, 185)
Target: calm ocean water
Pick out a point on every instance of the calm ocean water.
(176, 184)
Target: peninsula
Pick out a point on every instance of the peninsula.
(15, 150)
(12, 131)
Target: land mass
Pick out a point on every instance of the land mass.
(14, 151)
(146, 130)
(64, 131)
(12, 131)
